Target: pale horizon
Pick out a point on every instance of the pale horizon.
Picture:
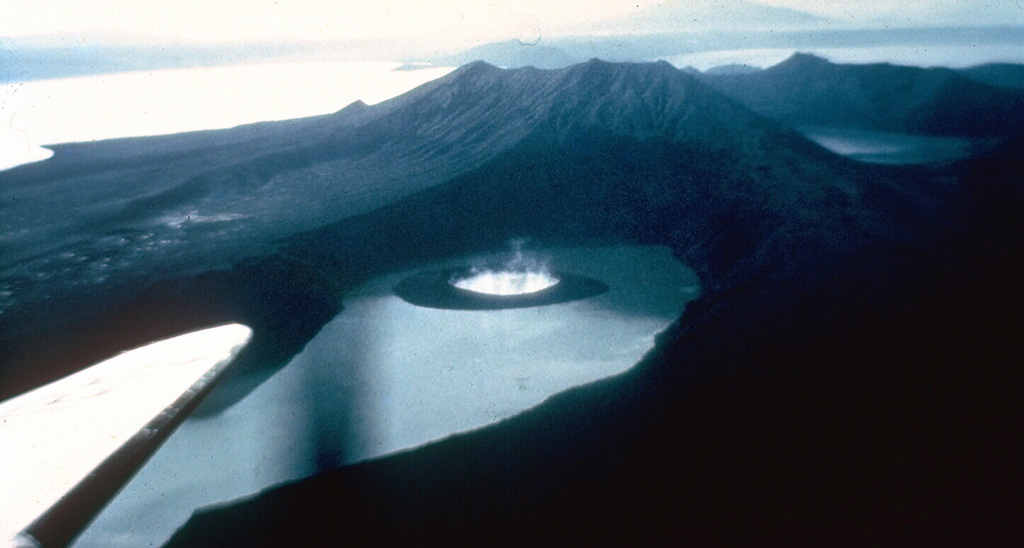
(100, 69)
(457, 23)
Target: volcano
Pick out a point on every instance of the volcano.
(240, 224)
(842, 371)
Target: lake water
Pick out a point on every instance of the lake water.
(880, 147)
(386, 375)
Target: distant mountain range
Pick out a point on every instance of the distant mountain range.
(806, 89)
(1006, 75)
(709, 15)
(850, 365)
(754, 28)
(694, 38)
(511, 54)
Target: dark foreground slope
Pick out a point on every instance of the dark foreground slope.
(875, 399)
(806, 89)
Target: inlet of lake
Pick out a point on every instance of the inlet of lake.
(881, 147)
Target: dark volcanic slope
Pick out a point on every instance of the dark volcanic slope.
(809, 90)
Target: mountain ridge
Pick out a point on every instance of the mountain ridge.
(807, 89)
(1007, 75)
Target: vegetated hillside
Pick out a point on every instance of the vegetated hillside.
(115, 243)
(837, 383)
(806, 89)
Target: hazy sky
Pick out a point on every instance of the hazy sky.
(451, 21)
(913, 12)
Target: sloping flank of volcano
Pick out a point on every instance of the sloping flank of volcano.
(115, 243)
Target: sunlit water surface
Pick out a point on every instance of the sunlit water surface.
(882, 147)
(38, 113)
(521, 274)
(386, 375)
(505, 282)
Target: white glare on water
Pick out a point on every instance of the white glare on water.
(520, 275)
(106, 106)
(506, 282)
